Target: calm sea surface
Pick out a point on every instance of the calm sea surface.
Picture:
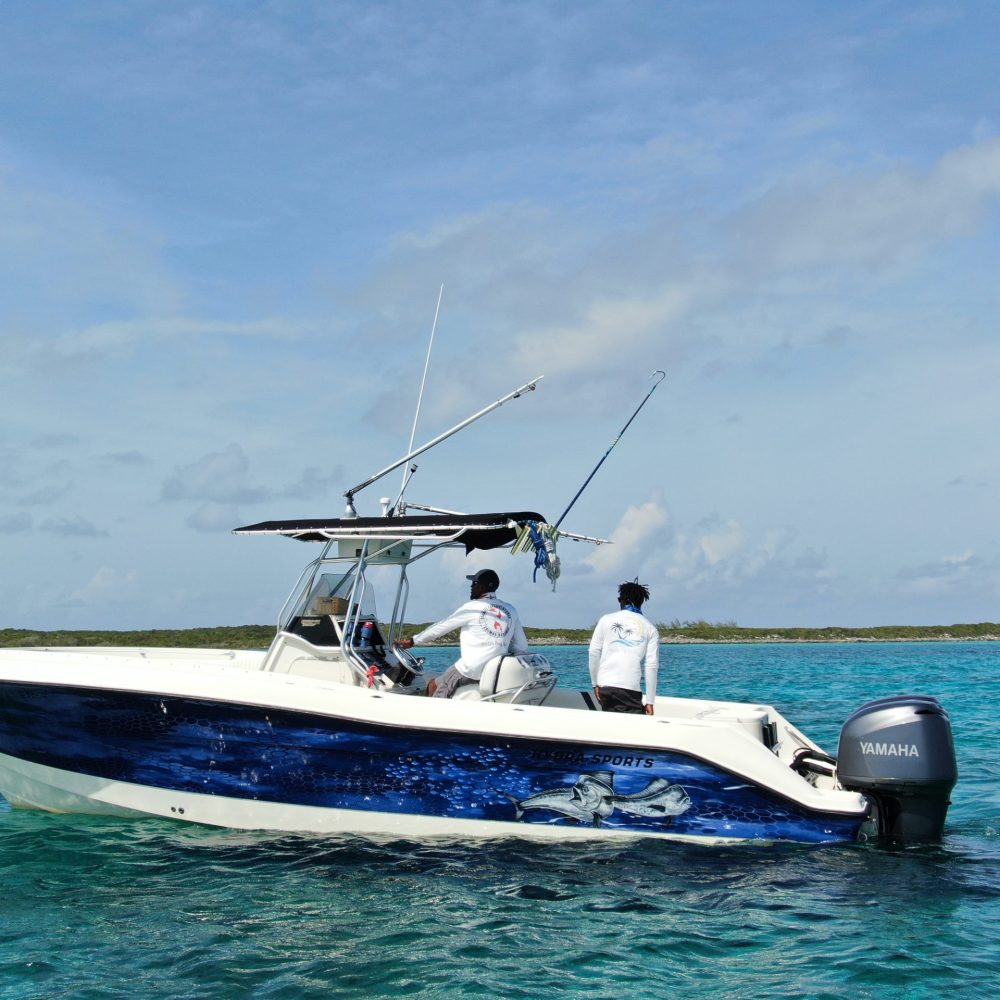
(94, 908)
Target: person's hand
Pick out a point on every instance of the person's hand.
(404, 643)
(648, 709)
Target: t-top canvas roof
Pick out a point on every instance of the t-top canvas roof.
(474, 531)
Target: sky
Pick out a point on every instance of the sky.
(223, 230)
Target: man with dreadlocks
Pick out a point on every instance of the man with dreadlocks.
(623, 643)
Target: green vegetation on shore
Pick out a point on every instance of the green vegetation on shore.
(731, 632)
(259, 636)
(702, 631)
(220, 637)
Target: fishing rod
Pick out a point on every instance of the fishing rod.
(662, 375)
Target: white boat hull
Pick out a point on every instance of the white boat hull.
(216, 740)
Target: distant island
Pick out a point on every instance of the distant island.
(678, 632)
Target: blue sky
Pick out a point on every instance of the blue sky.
(223, 228)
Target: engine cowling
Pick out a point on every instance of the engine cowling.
(899, 751)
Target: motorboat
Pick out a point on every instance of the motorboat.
(327, 731)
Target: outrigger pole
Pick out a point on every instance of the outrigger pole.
(527, 387)
(662, 375)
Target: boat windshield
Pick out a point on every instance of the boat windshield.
(331, 593)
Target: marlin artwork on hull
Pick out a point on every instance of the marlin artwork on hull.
(592, 799)
(325, 731)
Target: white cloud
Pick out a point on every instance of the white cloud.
(719, 564)
(43, 495)
(567, 301)
(313, 484)
(714, 551)
(640, 529)
(29, 480)
(106, 338)
(871, 218)
(15, 524)
(223, 479)
(966, 572)
(722, 542)
(72, 527)
(220, 477)
(213, 518)
(109, 340)
(608, 326)
(107, 584)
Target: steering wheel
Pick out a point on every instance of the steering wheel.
(415, 664)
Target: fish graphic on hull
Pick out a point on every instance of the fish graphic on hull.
(592, 798)
(658, 798)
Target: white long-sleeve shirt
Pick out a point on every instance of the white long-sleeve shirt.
(489, 627)
(623, 643)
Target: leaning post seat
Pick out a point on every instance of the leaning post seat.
(526, 679)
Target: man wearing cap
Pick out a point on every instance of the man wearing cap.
(489, 627)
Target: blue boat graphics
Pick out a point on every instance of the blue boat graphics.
(592, 799)
(274, 755)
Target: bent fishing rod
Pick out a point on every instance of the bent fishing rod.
(662, 375)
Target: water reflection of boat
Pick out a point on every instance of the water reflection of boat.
(324, 731)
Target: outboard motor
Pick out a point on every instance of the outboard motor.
(899, 752)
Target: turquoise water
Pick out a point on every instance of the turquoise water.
(94, 908)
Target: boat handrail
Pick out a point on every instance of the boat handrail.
(301, 588)
(354, 616)
(354, 600)
(399, 607)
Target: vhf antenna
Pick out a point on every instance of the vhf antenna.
(408, 472)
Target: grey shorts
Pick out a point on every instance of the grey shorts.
(450, 681)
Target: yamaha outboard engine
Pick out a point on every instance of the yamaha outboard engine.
(899, 752)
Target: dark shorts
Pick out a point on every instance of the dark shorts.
(450, 681)
(622, 700)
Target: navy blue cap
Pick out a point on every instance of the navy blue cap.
(486, 578)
